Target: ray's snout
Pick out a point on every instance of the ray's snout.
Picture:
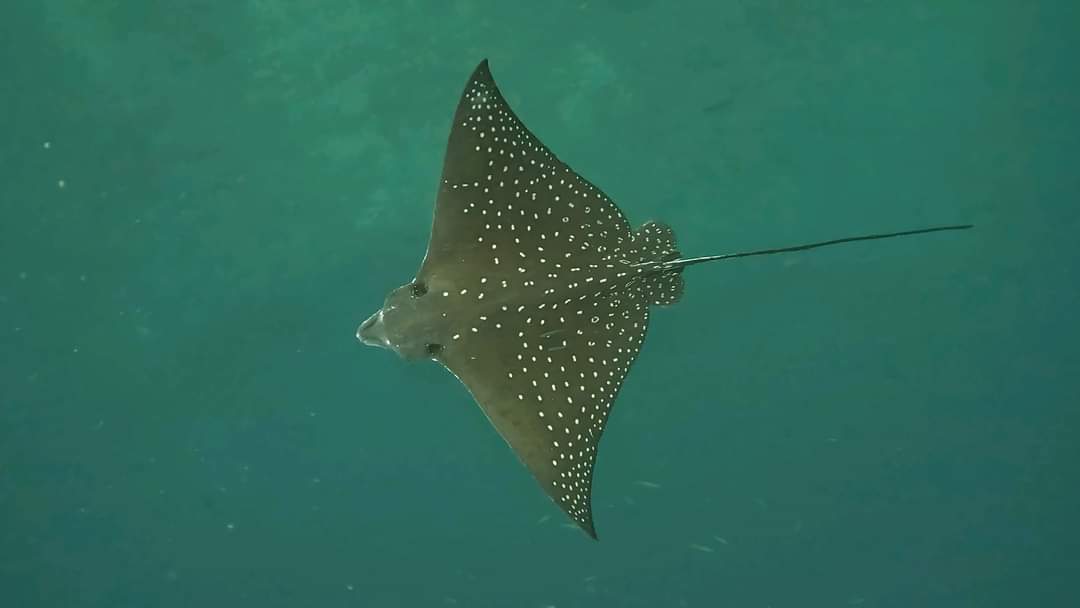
(373, 332)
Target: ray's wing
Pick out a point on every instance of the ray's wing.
(546, 376)
(502, 192)
(529, 261)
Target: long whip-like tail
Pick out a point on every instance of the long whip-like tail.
(683, 263)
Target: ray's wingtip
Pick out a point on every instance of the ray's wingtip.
(591, 533)
(482, 73)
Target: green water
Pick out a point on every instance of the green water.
(201, 200)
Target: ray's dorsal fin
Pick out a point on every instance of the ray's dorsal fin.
(657, 246)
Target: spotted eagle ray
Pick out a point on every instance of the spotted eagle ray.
(535, 292)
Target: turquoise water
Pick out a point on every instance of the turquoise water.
(201, 200)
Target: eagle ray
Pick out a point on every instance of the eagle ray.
(535, 293)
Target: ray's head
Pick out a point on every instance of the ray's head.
(409, 323)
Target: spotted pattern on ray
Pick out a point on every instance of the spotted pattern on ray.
(546, 288)
(508, 207)
(535, 293)
(560, 366)
(655, 242)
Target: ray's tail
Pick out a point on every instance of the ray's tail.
(683, 263)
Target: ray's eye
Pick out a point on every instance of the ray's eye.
(434, 349)
(418, 289)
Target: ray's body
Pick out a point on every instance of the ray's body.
(535, 293)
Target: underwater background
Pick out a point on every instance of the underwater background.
(201, 200)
